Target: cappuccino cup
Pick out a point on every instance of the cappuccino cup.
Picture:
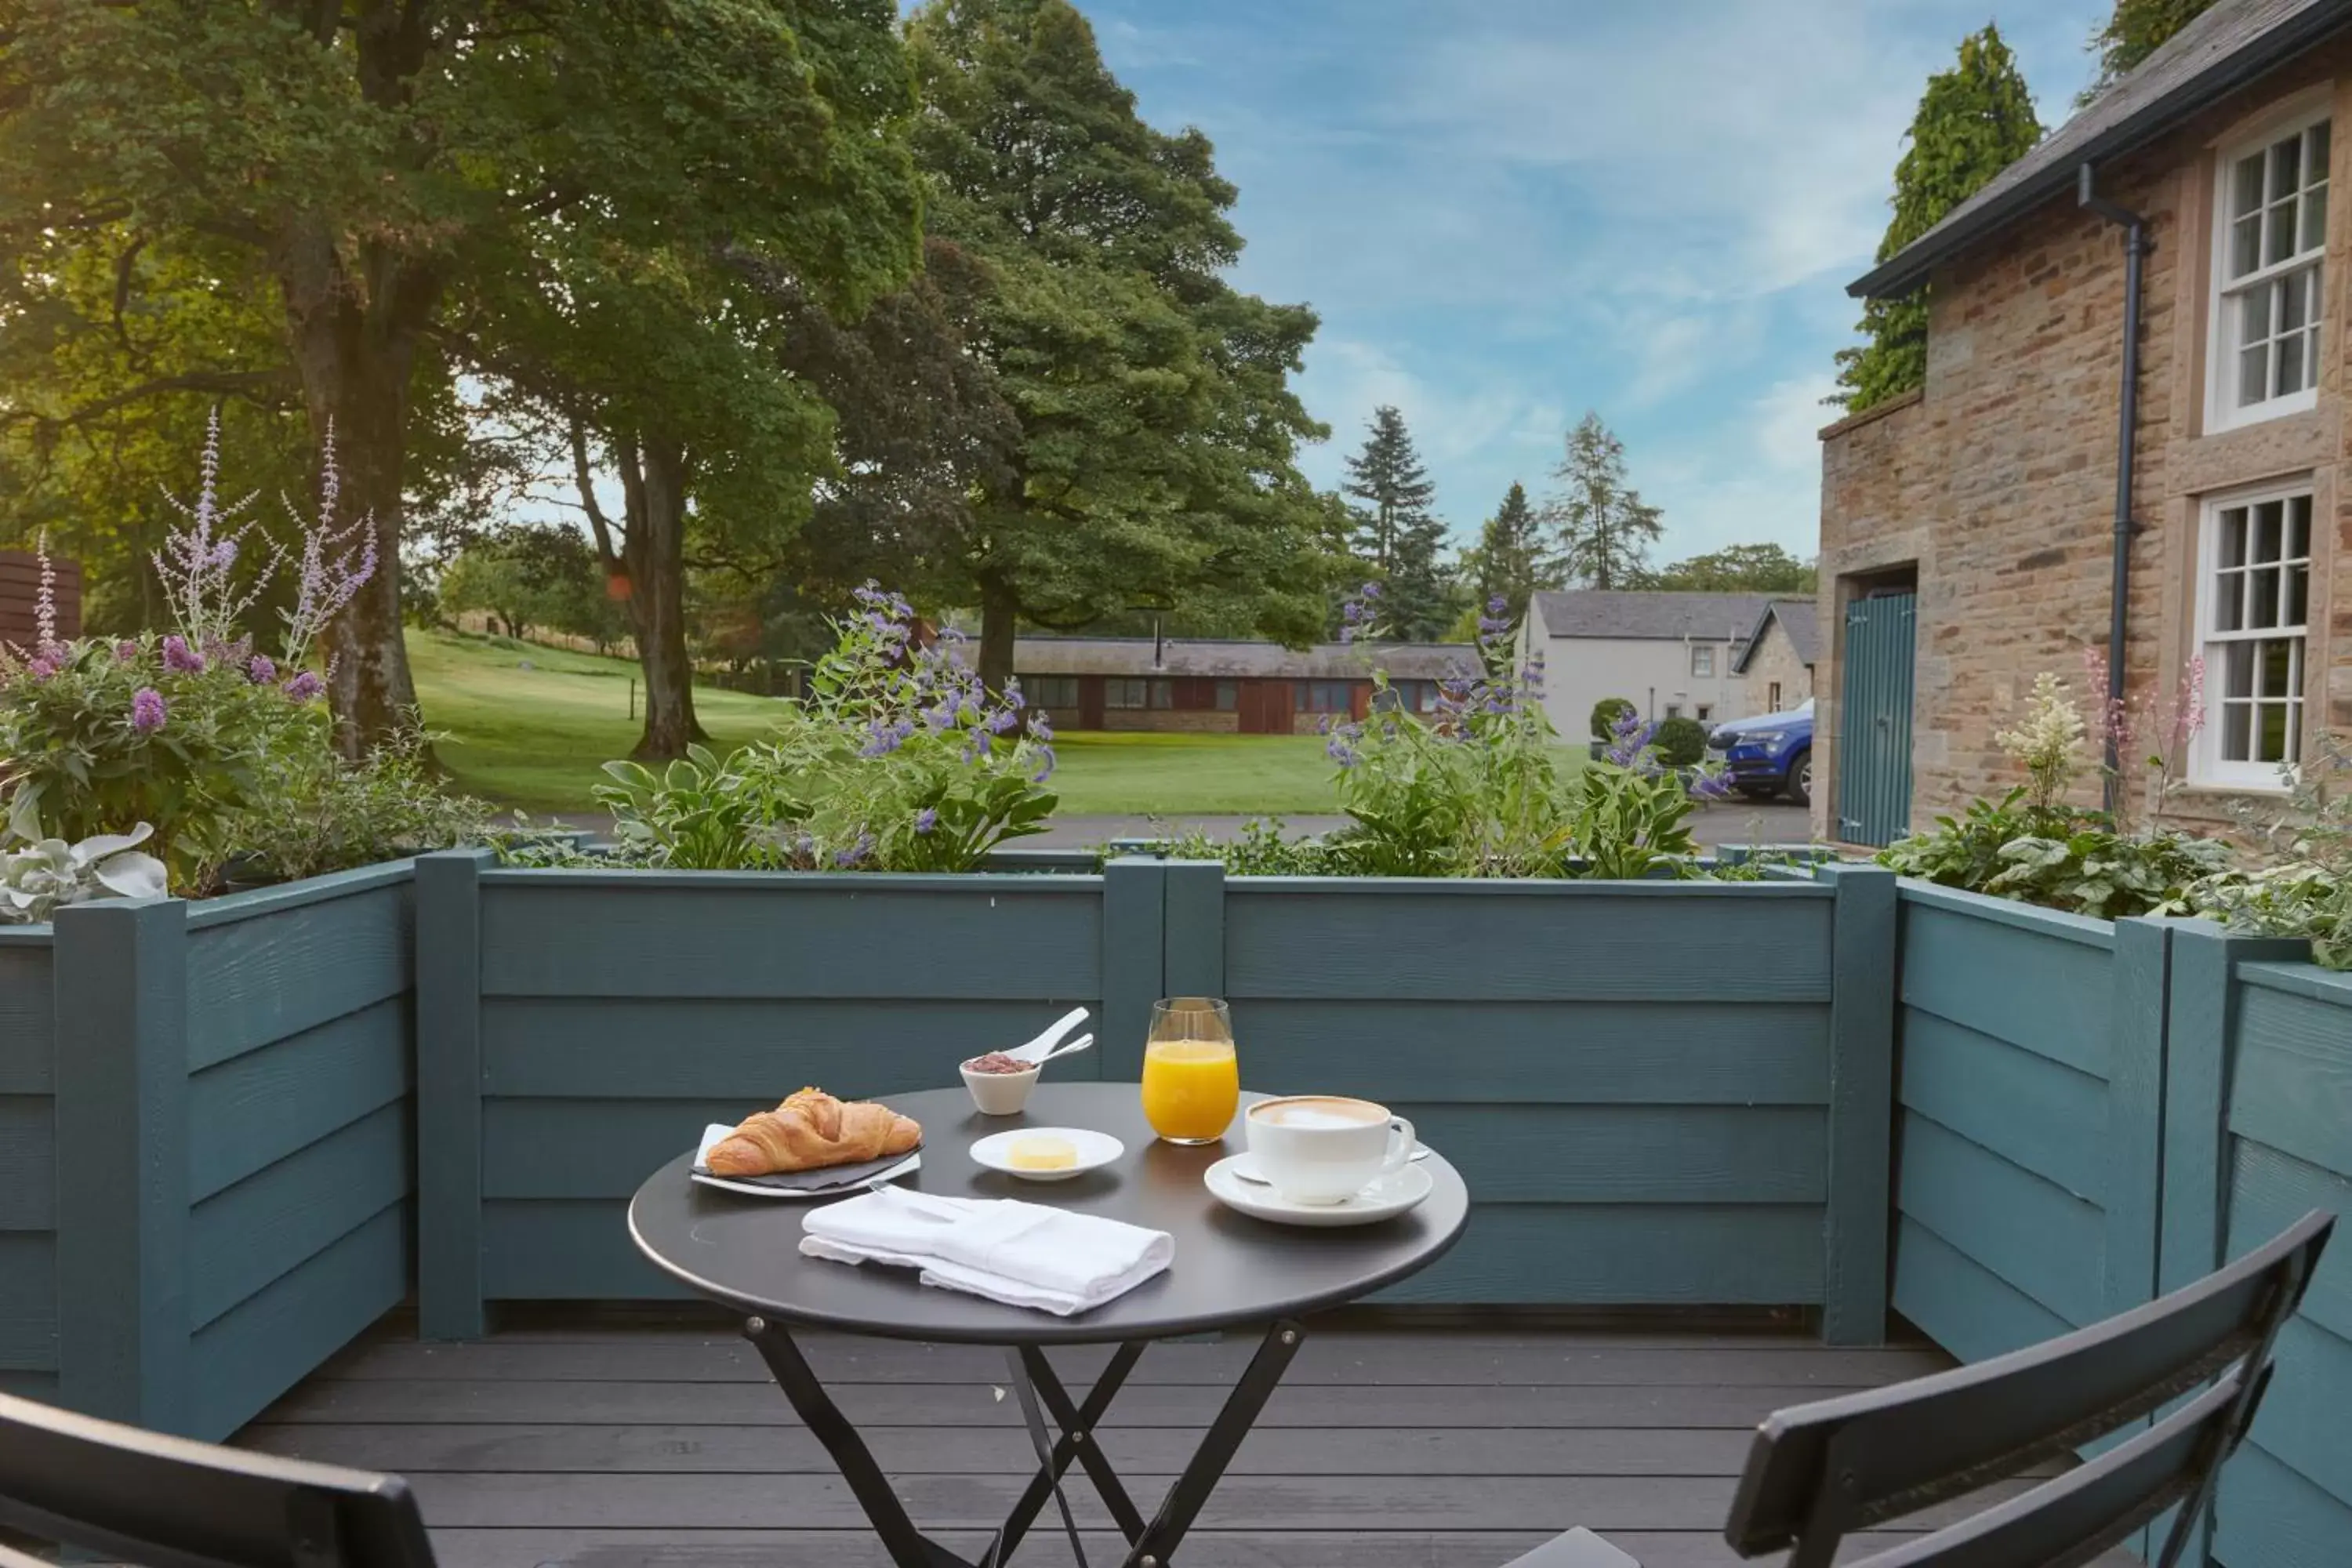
(1324, 1148)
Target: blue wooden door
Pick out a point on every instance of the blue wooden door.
(1874, 799)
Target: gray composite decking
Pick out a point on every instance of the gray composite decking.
(603, 1444)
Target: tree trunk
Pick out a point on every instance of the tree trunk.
(355, 345)
(1000, 613)
(653, 477)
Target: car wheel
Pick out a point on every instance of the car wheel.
(1800, 778)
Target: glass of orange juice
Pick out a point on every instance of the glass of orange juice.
(1191, 1080)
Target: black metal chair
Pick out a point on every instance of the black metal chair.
(166, 1502)
(1819, 1472)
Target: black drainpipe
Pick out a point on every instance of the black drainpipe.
(2137, 244)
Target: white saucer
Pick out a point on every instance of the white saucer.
(1387, 1197)
(1096, 1150)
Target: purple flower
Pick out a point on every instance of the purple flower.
(305, 686)
(147, 711)
(42, 668)
(125, 651)
(1372, 591)
(178, 656)
(1041, 729)
(1351, 610)
(1340, 751)
(926, 819)
(1045, 761)
(1710, 786)
(1496, 605)
(261, 670)
(855, 852)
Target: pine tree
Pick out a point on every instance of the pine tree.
(1974, 120)
(1508, 562)
(2136, 30)
(1422, 596)
(1602, 529)
(1395, 490)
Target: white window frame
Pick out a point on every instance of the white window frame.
(2223, 410)
(2206, 766)
(1702, 661)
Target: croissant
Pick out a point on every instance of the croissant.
(810, 1131)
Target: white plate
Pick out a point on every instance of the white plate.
(1096, 1150)
(1387, 1197)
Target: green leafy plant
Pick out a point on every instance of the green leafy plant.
(329, 814)
(40, 875)
(1606, 714)
(1964, 851)
(2306, 890)
(2097, 871)
(1681, 741)
(897, 760)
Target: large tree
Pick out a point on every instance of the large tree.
(1973, 121)
(1391, 488)
(1157, 425)
(1602, 529)
(1509, 562)
(375, 158)
(2136, 29)
(1737, 569)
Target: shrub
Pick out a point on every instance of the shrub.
(183, 731)
(897, 760)
(1681, 741)
(1606, 715)
(2307, 890)
(329, 814)
(40, 875)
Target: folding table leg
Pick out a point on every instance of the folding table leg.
(1223, 1440)
(909, 1547)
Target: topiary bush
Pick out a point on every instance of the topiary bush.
(1680, 742)
(1605, 714)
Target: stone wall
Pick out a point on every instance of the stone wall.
(1996, 483)
(1776, 659)
(1184, 721)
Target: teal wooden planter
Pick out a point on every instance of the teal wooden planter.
(2258, 1132)
(205, 1146)
(2028, 1138)
(1660, 1093)
(579, 1027)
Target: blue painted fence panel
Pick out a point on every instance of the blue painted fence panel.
(28, 1292)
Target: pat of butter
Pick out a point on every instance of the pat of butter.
(1042, 1154)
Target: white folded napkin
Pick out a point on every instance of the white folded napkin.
(1024, 1255)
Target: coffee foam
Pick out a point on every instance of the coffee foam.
(1324, 1113)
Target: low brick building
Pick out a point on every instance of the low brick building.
(1231, 688)
(1968, 531)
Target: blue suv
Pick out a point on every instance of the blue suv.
(1769, 755)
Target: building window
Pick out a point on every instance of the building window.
(2253, 604)
(1229, 696)
(1327, 696)
(1164, 694)
(1703, 660)
(1705, 711)
(1772, 697)
(2269, 239)
(1119, 691)
(1053, 693)
(1673, 710)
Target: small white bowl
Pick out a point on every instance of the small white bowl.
(1000, 1093)
(1095, 1149)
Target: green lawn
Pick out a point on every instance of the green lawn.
(528, 726)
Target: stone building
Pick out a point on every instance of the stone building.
(1232, 687)
(1992, 494)
(1777, 660)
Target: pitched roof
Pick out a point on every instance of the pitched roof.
(1636, 614)
(1238, 659)
(2220, 52)
(1799, 623)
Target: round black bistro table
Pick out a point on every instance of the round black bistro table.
(1230, 1270)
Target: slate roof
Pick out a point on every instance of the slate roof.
(1625, 613)
(1798, 621)
(1237, 659)
(2220, 52)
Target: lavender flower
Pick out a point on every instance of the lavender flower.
(196, 562)
(45, 641)
(42, 668)
(260, 670)
(855, 852)
(180, 657)
(125, 651)
(1711, 785)
(306, 686)
(926, 819)
(1041, 729)
(1045, 764)
(148, 711)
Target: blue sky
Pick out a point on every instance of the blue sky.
(1511, 211)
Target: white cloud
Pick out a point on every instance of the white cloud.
(1760, 481)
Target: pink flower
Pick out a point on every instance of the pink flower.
(42, 668)
(148, 711)
(305, 686)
